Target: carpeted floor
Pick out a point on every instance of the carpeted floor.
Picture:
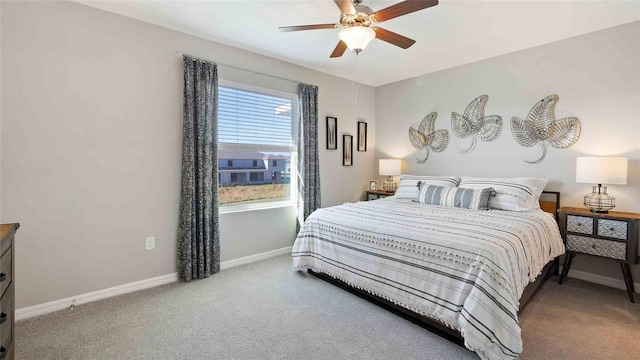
(267, 310)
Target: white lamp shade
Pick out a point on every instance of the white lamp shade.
(390, 167)
(357, 37)
(601, 170)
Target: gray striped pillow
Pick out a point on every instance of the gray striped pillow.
(474, 199)
(409, 187)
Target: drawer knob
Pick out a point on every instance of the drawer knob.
(593, 246)
(3, 277)
(579, 224)
(612, 229)
(3, 318)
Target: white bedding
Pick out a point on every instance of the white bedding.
(465, 268)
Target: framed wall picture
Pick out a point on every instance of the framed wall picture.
(332, 133)
(362, 136)
(373, 185)
(347, 150)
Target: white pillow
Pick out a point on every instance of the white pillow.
(515, 194)
(409, 184)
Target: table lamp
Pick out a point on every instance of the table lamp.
(601, 170)
(390, 168)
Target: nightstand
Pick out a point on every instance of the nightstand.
(613, 235)
(378, 194)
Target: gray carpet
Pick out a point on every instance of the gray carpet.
(267, 310)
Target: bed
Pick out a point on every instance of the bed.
(464, 273)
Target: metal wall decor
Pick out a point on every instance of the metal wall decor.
(347, 150)
(426, 137)
(473, 123)
(332, 133)
(543, 129)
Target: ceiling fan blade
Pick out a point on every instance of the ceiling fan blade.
(403, 8)
(339, 50)
(346, 6)
(393, 38)
(308, 27)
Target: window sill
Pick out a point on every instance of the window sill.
(231, 209)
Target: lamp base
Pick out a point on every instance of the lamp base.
(599, 201)
(389, 185)
(599, 211)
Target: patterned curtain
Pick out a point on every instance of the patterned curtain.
(198, 233)
(308, 163)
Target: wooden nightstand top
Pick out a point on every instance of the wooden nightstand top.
(381, 192)
(611, 214)
(5, 229)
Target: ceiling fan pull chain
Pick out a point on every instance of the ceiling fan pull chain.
(355, 67)
(353, 82)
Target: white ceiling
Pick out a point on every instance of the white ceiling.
(450, 34)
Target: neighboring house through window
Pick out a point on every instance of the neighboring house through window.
(255, 142)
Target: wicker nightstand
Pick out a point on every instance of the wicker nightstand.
(613, 235)
(378, 194)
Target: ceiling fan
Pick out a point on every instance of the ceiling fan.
(358, 24)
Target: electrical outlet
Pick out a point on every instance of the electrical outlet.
(150, 243)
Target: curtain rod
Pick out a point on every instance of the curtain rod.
(239, 68)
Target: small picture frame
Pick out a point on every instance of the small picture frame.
(362, 136)
(347, 150)
(332, 133)
(373, 185)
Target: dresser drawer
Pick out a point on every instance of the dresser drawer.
(616, 229)
(600, 247)
(6, 243)
(7, 353)
(5, 270)
(6, 318)
(580, 224)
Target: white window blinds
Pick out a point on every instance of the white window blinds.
(251, 118)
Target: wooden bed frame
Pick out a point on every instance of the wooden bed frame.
(436, 326)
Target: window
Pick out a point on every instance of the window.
(256, 177)
(255, 125)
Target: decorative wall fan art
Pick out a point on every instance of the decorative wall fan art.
(543, 129)
(426, 137)
(473, 123)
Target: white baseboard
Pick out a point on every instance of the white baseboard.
(254, 258)
(31, 311)
(599, 279)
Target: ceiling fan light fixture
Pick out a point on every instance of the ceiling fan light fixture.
(357, 37)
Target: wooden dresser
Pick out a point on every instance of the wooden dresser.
(7, 305)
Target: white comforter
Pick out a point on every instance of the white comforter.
(465, 268)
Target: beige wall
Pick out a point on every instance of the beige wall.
(596, 76)
(90, 147)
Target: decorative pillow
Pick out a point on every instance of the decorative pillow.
(474, 199)
(515, 194)
(409, 187)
